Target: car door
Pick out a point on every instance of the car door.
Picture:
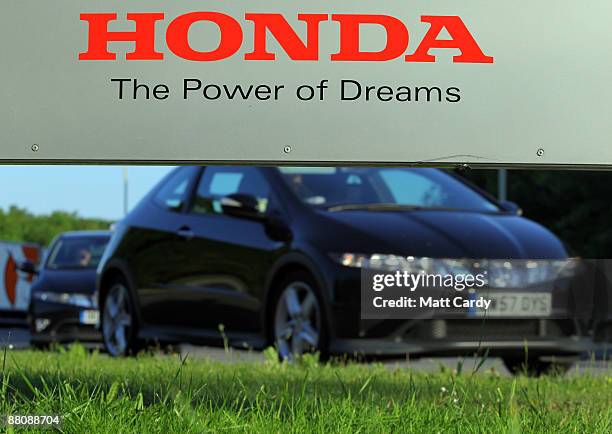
(229, 256)
(159, 251)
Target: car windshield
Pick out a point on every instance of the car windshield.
(345, 188)
(77, 252)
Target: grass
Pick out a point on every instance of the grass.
(164, 393)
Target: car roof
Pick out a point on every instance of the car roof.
(90, 233)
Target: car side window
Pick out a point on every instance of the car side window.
(219, 182)
(173, 194)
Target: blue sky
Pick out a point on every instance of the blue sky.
(92, 191)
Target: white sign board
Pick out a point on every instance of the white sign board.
(397, 82)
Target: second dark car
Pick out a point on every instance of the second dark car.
(275, 254)
(63, 306)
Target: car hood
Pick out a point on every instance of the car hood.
(451, 234)
(71, 281)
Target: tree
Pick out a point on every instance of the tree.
(17, 224)
(575, 205)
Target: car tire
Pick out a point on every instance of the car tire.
(118, 321)
(534, 367)
(298, 320)
(40, 345)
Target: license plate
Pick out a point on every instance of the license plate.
(517, 304)
(90, 317)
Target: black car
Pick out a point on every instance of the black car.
(63, 306)
(274, 255)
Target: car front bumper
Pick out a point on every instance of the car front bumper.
(447, 348)
(463, 337)
(55, 322)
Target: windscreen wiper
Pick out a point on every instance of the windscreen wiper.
(375, 207)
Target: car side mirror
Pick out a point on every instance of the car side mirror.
(242, 206)
(27, 267)
(511, 207)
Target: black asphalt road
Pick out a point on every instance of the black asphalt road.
(19, 339)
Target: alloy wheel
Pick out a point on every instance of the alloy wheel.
(297, 321)
(117, 321)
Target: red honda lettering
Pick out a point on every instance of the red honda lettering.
(286, 36)
(461, 39)
(143, 37)
(177, 36)
(397, 38)
(231, 37)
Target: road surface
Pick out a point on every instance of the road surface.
(19, 339)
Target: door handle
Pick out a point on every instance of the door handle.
(185, 232)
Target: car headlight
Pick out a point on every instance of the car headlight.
(499, 273)
(517, 273)
(80, 300)
(411, 264)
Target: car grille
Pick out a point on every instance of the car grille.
(70, 329)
